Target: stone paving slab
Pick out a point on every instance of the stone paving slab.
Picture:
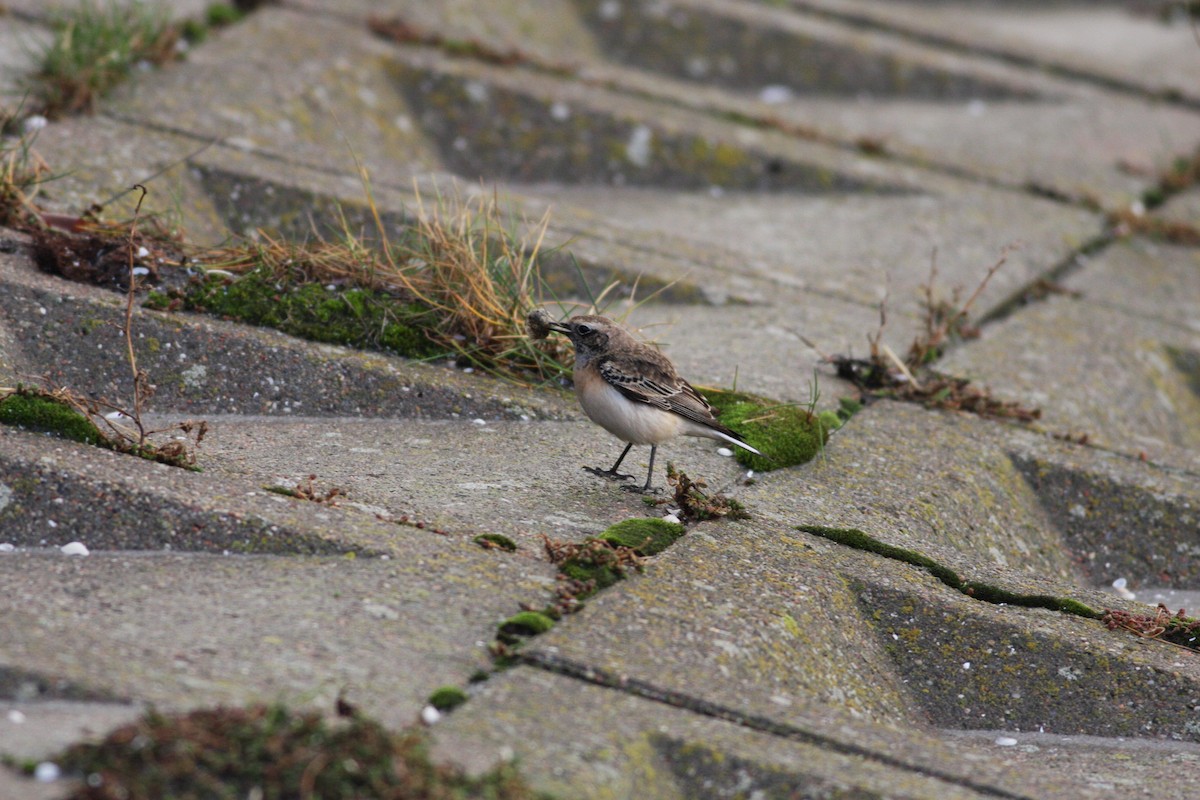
(1136, 363)
(1050, 230)
(523, 480)
(799, 609)
(617, 743)
(1085, 39)
(1183, 208)
(1145, 278)
(614, 744)
(181, 631)
(941, 109)
(72, 333)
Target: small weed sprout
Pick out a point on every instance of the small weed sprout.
(124, 428)
(95, 46)
(885, 374)
(22, 171)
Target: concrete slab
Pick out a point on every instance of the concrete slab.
(873, 89)
(615, 744)
(1137, 368)
(1145, 279)
(1183, 208)
(308, 88)
(181, 631)
(1104, 42)
(71, 333)
(621, 743)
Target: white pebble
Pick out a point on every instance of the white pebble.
(775, 94)
(1119, 583)
(671, 518)
(1005, 741)
(16, 717)
(142, 253)
(724, 451)
(47, 772)
(7, 547)
(52, 523)
(430, 715)
(479, 421)
(34, 123)
(74, 549)
(966, 665)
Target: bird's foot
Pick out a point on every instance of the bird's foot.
(611, 474)
(643, 489)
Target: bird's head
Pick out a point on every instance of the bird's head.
(589, 333)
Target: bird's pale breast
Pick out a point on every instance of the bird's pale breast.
(626, 419)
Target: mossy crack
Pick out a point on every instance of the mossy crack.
(989, 593)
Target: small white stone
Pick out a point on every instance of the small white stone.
(774, 95)
(1119, 583)
(34, 123)
(47, 772)
(671, 518)
(430, 715)
(638, 149)
(479, 421)
(141, 253)
(16, 717)
(1005, 741)
(7, 547)
(74, 549)
(724, 451)
(966, 665)
(52, 523)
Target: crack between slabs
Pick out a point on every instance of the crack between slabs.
(648, 691)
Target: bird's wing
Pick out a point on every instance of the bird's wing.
(651, 379)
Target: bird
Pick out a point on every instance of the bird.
(632, 390)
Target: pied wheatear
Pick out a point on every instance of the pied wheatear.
(632, 390)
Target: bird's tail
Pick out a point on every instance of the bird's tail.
(733, 438)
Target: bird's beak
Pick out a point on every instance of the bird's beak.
(559, 327)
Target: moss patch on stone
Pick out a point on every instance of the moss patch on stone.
(447, 698)
(646, 537)
(38, 412)
(989, 593)
(354, 317)
(524, 624)
(495, 541)
(786, 435)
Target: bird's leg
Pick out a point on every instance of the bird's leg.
(612, 474)
(649, 474)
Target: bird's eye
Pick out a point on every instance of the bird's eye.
(583, 329)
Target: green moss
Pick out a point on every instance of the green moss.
(647, 537)
(852, 537)
(363, 318)
(785, 434)
(526, 623)
(604, 575)
(447, 698)
(38, 412)
(159, 301)
(495, 540)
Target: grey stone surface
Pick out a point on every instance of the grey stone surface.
(1129, 337)
(750, 656)
(622, 744)
(1116, 42)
